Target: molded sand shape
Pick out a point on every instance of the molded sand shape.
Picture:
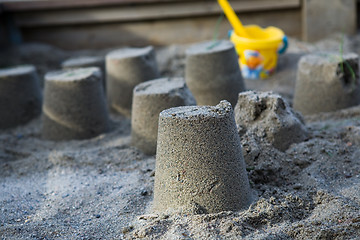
(212, 72)
(126, 68)
(199, 162)
(86, 61)
(74, 105)
(268, 115)
(327, 82)
(20, 95)
(150, 98)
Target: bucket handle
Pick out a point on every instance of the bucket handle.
(284, 46)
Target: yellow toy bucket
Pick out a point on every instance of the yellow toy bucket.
(259, 51)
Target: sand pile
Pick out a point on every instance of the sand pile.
(103, 187)
(268, 116)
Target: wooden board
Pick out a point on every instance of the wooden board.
(141, 12)
(157, 32)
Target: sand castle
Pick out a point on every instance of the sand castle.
(149, 99)
(199, 162)
(212, 72)
(327, 82)
(20, 95)
(126, 68)
(74, 105)
(269, 116)
(86, 61)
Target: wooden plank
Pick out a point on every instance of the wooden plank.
(158, 32)
(29, 5)
(127, 13)
(23, 5)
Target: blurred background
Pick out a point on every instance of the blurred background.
(84, 24)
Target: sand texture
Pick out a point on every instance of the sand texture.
(269, 116)
(102, 188)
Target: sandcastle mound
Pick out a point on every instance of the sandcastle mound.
(149, 99)
(74, 105)
(212, 72)
(327, 82)
(269, 116)
(20, 95)
(86, 61)
(126, 68)
(199, 162)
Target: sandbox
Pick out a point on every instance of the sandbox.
(103, 187)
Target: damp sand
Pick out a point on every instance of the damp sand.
(102, 188)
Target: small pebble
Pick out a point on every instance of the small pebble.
(65, 195)
(144, 193)
(19, 136)
(347, 174)
(127, 229)
(148, 216)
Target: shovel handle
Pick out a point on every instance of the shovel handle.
(233, 19)
(284, 46)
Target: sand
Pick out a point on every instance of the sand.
(102, 188)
